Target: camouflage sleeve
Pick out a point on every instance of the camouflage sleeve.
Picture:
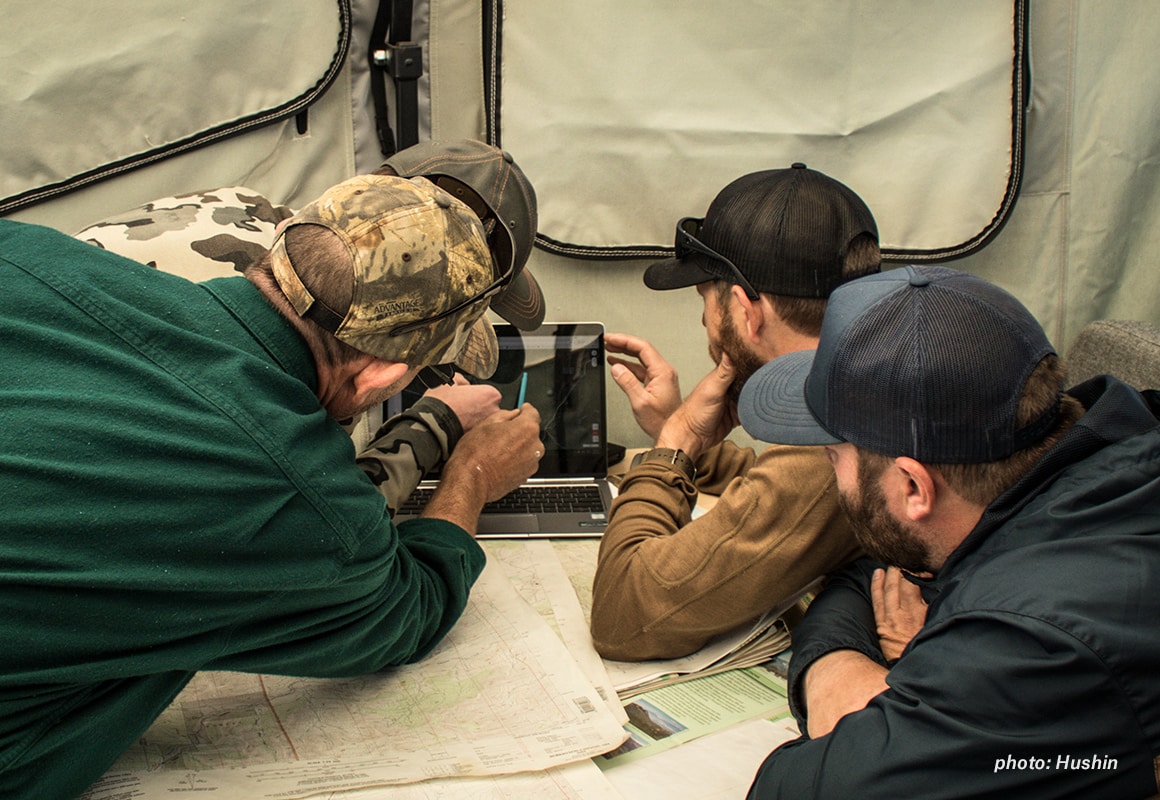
(408, 446)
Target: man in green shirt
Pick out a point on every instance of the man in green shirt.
(178, 494)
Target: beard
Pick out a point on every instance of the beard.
(745, 361)
(883, 537)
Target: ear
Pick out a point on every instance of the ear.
(281, 226)
(375, 376)
(917, 487)
(753, 314)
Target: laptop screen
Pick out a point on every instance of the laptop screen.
(564, 368)
(561, 368)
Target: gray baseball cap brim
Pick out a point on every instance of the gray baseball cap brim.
(772, 406)
(925, 362)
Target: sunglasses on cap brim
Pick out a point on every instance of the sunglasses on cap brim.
(687, 243)
(436, 375)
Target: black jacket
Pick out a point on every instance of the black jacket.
(1037, 673)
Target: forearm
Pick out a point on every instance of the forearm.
(460, 497)
(719, 465)
(838, 684)
(654, 503)
(408, 446)
(492, 459)
(839, 620)
(389, 603)
(665, 583)
(974, 695)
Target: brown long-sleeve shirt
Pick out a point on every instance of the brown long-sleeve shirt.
(666, 583)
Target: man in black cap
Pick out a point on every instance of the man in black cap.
(768, 252)
(1026, 516)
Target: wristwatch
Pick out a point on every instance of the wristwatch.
(675, 458)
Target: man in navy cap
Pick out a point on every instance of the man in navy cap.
(1024, 516)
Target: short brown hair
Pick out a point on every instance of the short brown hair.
(315, 251)
(804, 314)
(982, 483)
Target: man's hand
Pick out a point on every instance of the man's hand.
(471, 403)
(899, 610)
(706, 417)
(503, 451)
(490, 460)
(649, 382)
(837, 684)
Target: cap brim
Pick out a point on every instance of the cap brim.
(480, 355)
(521, 303)
(676, 273)
(772, 406)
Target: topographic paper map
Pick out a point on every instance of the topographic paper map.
(501, 694)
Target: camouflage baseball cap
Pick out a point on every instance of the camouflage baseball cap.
(421, 274)
(509, 213)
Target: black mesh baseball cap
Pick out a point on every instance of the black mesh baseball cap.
(925, 362)
(785, 231)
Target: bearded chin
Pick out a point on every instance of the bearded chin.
(880, 535)
(745, 361)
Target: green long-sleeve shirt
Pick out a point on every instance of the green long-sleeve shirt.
(175, 499)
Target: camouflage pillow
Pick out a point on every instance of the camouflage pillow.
(197, 236)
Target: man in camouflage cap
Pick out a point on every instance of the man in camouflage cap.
(491, 183)
(420, 273)
(202, 235)
(179, 495)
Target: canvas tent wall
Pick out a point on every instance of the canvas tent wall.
(1077, 244)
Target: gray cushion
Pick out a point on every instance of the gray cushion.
(1128, 349)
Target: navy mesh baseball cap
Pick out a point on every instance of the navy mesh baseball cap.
(782, 231)
(925, 362)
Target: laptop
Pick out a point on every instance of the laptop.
(559, 368)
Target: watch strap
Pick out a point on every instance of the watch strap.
(666, 455)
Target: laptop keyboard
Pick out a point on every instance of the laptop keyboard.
(527, 499)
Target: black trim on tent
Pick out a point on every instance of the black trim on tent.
(393, 54)
(294, 108)
(492, 59)
(1021, 98)
(1021, 95)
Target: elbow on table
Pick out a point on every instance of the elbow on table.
(633, 620)
(624, 640)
